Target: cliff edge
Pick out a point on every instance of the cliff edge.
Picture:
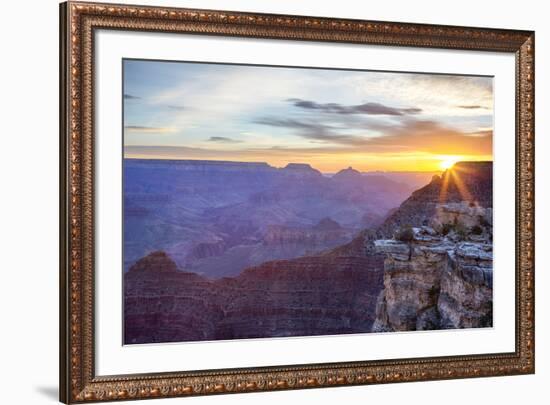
(439, 276)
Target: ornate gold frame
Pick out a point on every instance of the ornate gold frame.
(78, 381)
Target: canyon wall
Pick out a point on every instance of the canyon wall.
(439, 276)
(319, 295)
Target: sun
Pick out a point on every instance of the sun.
(447, 163)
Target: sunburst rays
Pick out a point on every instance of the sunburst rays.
(454, 174)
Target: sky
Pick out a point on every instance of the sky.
(331, 119)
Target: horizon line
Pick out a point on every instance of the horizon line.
(302, 163)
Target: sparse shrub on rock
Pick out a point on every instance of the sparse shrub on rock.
(405, 234)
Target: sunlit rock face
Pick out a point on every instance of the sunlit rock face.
(464, 213)
(442, 277)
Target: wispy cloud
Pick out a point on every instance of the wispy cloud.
(130, 97)
(415, 138)
(144, 129)
(365, 108)
(182, 152)
(290, 123)
(223, 139)
(176, 107)
(313, 131)
(472, 107)
(434, 94)
(410, 134)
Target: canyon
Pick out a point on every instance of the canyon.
(425, 265)
(217, 218)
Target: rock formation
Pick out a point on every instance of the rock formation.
(349, 174)
(465, 181)
(428, 266)
(441, 276)
(209, 216)
(320, 295)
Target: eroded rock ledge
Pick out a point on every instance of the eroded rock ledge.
(439, 276)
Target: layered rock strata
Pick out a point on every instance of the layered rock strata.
(436, 275)
(439, 276)
(320, 295)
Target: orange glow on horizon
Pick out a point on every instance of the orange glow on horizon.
(407, 162)
(448, 163)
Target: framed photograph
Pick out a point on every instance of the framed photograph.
(265, 202)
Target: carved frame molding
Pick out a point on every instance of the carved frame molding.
(78, 381)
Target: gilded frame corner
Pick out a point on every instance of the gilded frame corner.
(78, 381)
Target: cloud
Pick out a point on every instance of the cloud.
(409, 146)
(434, 94)
(176, 107)
(223, 91)
(366, 108)
(223, 139)
(144, 129)
(433, 137)
(130, 97)
(482, 82)
(183, 152)
(481, 132)
(415, 138)
(367, 115)
(312, 131)
(289, 123)
(472, 107)
(409, 134)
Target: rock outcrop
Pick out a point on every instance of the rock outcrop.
(159, 262)
(349, 174)
(440, 276)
